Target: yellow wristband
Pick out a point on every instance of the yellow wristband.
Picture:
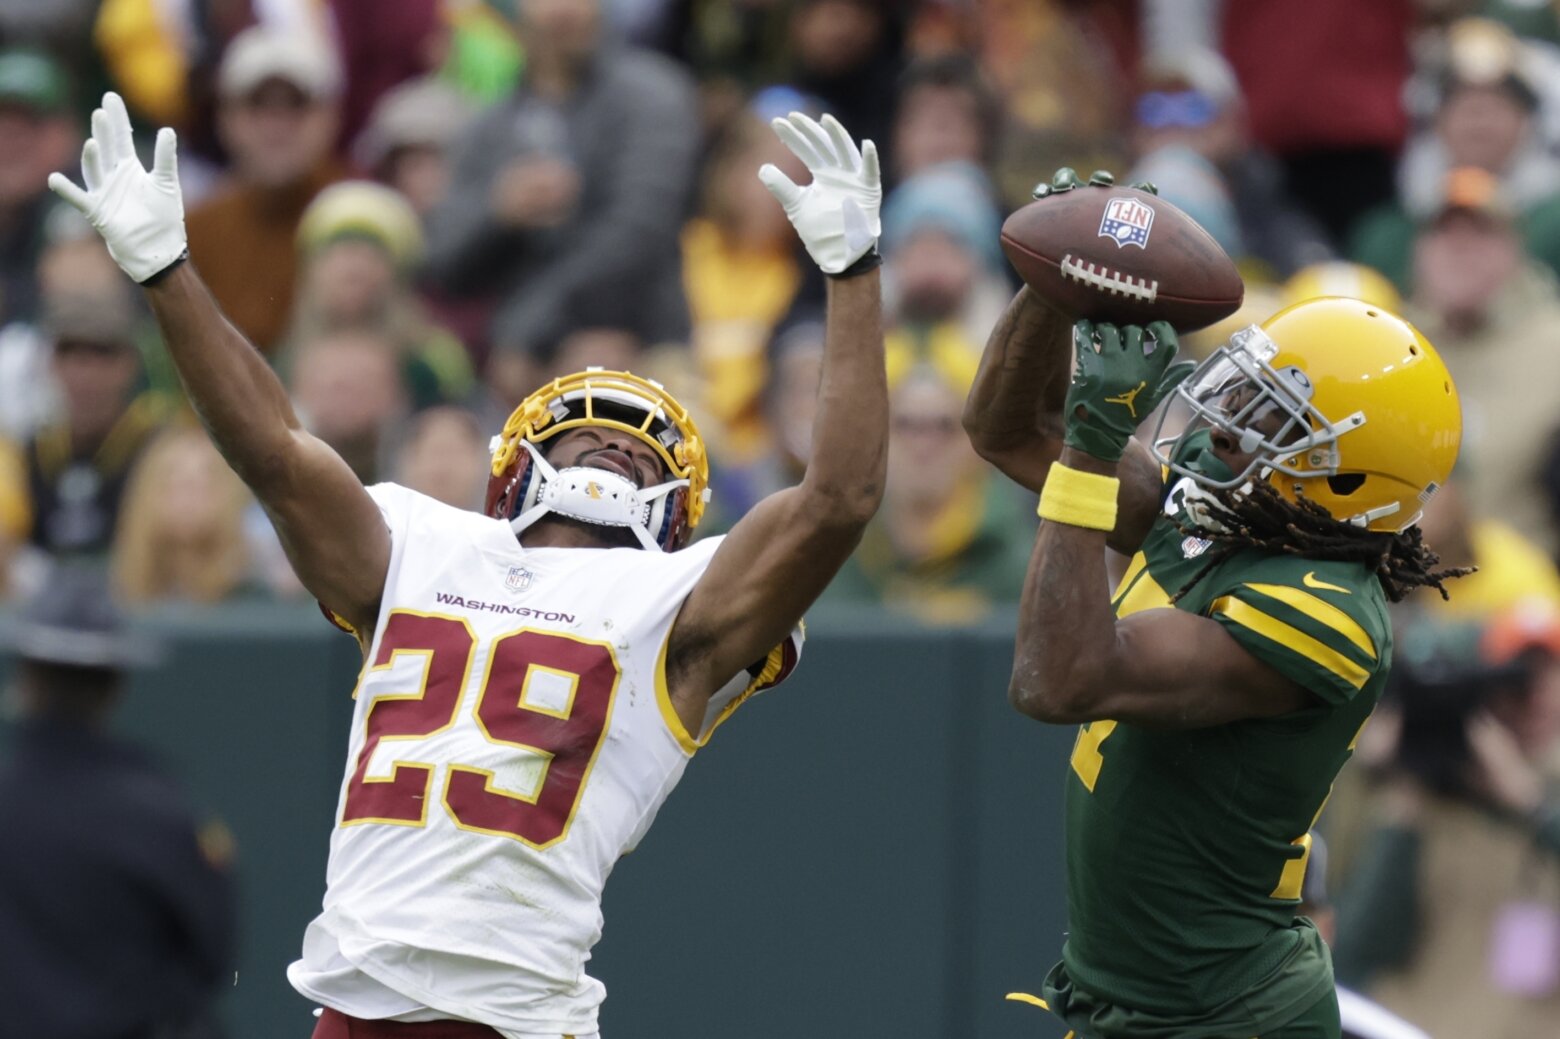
(1079, 499)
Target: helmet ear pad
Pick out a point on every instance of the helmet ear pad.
(506, 492)
(674, 526)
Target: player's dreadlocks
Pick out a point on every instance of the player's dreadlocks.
(1261, 518)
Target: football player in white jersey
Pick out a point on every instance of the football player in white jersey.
(535, 677)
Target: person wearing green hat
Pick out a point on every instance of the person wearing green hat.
(36, 136)
(358, 243)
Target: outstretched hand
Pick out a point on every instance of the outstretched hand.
(1066, 179)
(837, 214)
(139, 212)
(1122, 374)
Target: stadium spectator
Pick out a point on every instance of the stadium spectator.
(483, 58)
(1486, 117)
(1191, 138)
(382, 45)
(1549, 477)
(945, 273)
(181, 534)
(945, 112)
(846, 53)
(147, 51)
(348, 390)
(1323, 84)
(1359, 1017)
(1491, 311)
(741, 276)
(950, 541)
(116, 903)
(406, 143)
(1510, 568)
(36, 136)
(570, 190)
(73, 470)
(1445, 911)
(73, 261)
(789, 397)
(596, 346)
(1060, 86)
(277, 115)
(358, 243)
(444, 456)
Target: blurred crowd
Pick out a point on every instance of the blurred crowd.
(420, 210)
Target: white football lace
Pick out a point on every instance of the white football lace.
(1114, 282)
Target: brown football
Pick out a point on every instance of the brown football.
(1122, 255)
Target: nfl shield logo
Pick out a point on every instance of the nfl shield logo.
(1193, 547)
(1127, 222)
(519, 579)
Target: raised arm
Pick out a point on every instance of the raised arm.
(330, 527)
(782, 554)
(1013, 415)
(1073, 660)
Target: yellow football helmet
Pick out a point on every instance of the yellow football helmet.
(1334, 400)
(523, 485)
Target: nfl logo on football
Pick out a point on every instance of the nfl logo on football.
(519, 579)
(1127, 222)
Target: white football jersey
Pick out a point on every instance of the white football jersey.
(512, 738)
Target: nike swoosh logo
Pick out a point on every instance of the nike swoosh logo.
(1310, 580)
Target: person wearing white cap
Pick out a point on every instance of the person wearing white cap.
(278, 110)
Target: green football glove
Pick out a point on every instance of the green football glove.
(1067, 178)
(1122, 375)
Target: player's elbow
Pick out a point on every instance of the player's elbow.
(990, 447)
(844, 504)
(1049, 696)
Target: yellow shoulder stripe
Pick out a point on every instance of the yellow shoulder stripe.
(1322, 612)
(1291, 638)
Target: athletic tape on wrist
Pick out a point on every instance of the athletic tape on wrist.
(1079, 499)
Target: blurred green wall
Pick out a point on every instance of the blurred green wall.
(873, 849)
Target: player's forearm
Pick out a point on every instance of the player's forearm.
(1066, 638)
(850, 431)
(236, 395)
(1021, 385)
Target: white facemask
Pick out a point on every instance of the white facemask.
(593, 495)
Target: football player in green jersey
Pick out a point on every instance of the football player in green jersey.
(1277, 523)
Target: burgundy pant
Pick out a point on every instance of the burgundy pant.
(334, 1025)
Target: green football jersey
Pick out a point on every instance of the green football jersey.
(1186, 849)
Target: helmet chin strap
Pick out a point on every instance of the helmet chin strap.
(593, 495)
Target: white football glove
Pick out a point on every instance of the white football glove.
(837, 214)
(140, 214)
